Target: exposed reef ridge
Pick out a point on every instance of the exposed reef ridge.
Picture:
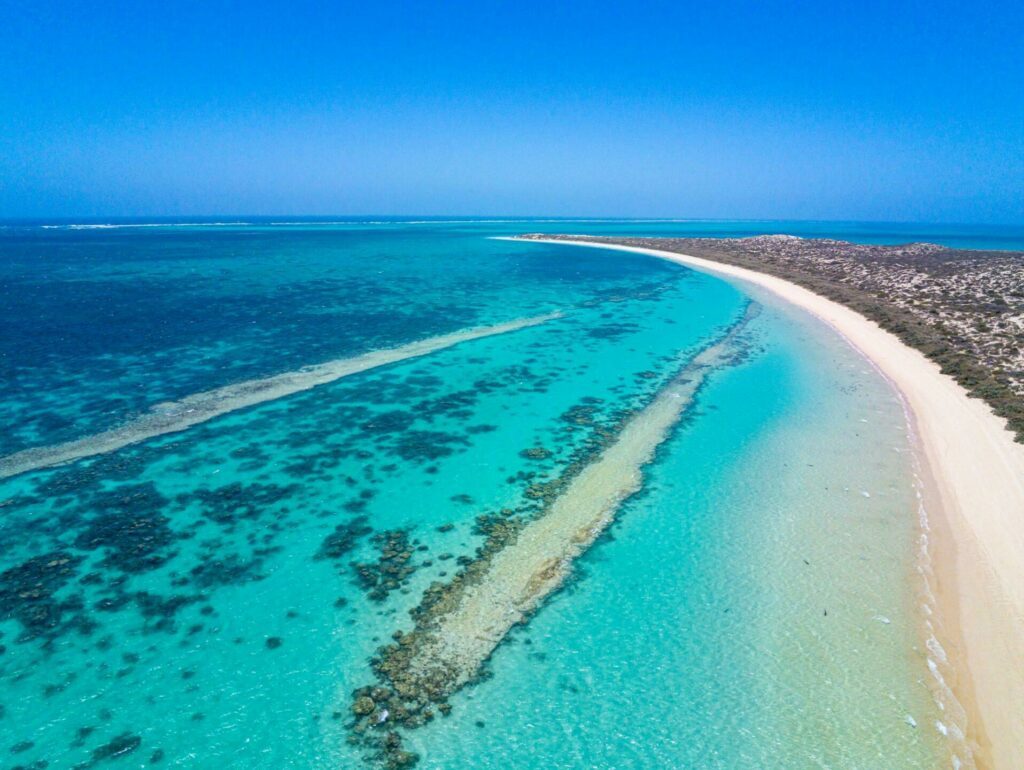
(174, 416)
(523, 560)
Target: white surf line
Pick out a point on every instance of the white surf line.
(174, 416)
(525, 572)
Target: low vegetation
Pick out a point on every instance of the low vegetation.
(964, 309)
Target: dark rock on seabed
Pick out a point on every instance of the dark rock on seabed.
(404, 697)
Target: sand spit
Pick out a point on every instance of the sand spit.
(459, 625)
(975, 505)
(523, 574)
(174, 416)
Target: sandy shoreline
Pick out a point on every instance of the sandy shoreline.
(973, 494)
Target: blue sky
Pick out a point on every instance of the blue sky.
(850, 110)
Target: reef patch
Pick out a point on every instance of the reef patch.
(524, 558)
(174, 416)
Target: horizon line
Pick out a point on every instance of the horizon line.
(243, 219)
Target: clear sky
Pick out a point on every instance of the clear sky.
(874, 109)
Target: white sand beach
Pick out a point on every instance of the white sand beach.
(974, 499)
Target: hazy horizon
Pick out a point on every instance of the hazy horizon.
(368, 217)
(868, 112)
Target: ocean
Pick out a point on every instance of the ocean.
(281, 500)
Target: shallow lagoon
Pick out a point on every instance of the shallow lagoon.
(213, 596)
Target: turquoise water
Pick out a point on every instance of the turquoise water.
(212, 597)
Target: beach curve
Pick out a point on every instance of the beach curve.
(974, 498)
